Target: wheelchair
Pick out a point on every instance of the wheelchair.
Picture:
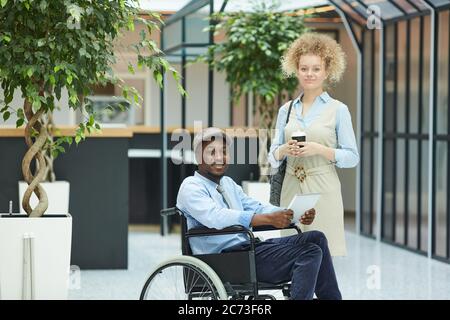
(217, 276)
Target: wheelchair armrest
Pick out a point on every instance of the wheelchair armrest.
(269, 228)
(203, 231)
(227, 230)
(169, 211)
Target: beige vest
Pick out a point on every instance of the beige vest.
(316, 174)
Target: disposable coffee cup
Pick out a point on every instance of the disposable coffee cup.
(299, 136)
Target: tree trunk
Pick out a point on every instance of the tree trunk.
(49, 175)
(34, 152)
(266, 121)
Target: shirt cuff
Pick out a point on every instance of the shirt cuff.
(246, 218)
(274, 163)
(338, 156)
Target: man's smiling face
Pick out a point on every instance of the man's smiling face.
(215, 158)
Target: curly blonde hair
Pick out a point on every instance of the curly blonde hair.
(316, 44)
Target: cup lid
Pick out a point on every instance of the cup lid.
(298, 133)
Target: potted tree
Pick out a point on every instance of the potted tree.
(250, 56)
(47, 47)
(58, 191)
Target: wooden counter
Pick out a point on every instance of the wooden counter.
(125, 132)
(70, 131)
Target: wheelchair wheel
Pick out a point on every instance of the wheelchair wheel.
(183, 278)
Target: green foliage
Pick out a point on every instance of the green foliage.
(251, 54)
(50, 45)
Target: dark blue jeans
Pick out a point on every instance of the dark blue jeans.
(303, 259)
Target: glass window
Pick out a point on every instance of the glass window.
(419, 4)
(388, 191)
(402, 52)
(412, 194)
(348, 10)
(172, 35)
(405, 5)
(441, 185)
(358, 7)
(400, 194)
(385, 9)
(424, 198)
(195, 25)
(440, 3)
(366, 193)
(442, 99)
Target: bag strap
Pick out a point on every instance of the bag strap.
(289, 111)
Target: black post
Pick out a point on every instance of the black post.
(419, 147)
(407, 103)
(372, 130)
(163, 179)
(210, 70)
(433, 134)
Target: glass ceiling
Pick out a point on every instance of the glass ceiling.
(196, 12)
(360, 10)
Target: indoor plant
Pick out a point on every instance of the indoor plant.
(47, 47)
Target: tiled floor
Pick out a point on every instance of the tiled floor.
(370, 271)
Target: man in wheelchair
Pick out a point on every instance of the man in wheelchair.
(211, 199)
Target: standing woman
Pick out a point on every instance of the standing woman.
(317, 60)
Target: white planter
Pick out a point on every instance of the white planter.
(257, 190)
(37, 268)
(58, 196)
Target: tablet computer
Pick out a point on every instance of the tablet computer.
(301, 203)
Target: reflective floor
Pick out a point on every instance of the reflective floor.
(370, 271)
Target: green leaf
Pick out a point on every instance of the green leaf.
(159, 79)
(19, 122)
(43, 5)
(30, 72)
(75, 11)
(20, 113)
(91, 120)
(6, 38)
(69, 80)
(77, 139)
(3, 2)
(6, 115)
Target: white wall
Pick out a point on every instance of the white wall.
(62, 116)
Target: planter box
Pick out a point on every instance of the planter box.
(35, 256)
(58, 193)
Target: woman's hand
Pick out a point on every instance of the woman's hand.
(291, 148)
(308, 217)
(310, 149)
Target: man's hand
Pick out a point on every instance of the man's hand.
(308, 217)
(281, 219)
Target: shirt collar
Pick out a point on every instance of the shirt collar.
(324, 96)
(208, 182)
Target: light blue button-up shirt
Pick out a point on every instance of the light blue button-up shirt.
(203, 205)
(346, 154)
